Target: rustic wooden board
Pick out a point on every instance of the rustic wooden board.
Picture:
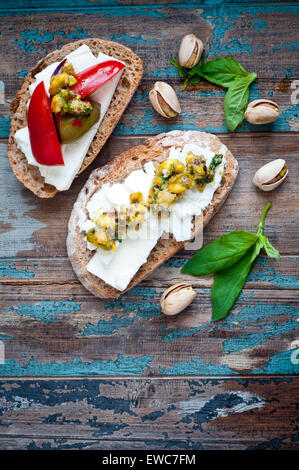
(201, 385)
(149, 413)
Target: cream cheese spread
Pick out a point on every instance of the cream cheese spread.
(117, 268)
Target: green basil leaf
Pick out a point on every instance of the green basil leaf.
(228, 284)
(256, 249)
(220, 253)
(178, 66)
(222, 71)
(185, 84)
(260, 229)
(216, 160)
(236, 100)
(269, 249)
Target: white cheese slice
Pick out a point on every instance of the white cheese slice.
(149, 169)
(119, 269)
(73, 153)
(118, 195)
(138, 181)
(99, 203)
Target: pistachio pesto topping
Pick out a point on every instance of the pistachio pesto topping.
(171, 180)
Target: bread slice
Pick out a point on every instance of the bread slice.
(155, 149)
(30, 175)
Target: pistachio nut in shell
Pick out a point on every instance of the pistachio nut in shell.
(262, 111)
(190, 51)
(271, 175)
(164, 100)
(176, 298)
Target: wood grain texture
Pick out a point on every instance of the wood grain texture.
(149, 414)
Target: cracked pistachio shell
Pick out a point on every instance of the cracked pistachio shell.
(271, 175)
(190, 51)
(176, 298)
(261, 111)
(164, 100)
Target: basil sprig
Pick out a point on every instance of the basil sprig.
(228, 73)
(231, 258)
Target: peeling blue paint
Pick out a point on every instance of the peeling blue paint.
(108, 327)
(175, 263)
(152, 416)
(31, 40)
(268, 445)
(4, 127)
(179, 333)
(246, 295)
(198, 412)
(268, 274)
(132, 39)
(197, 367)
(279, 363)
(58, 444)
(5, 337)
(292, 46)
(104, 429)
(289, 72)
(51, 393)
(263, 316)
(143, 292)
(224, 17)
(23, 73)
(163, 72)
(236, 46)
(47, 311)
(143, 310)
(140, 97)
(259, 24)
(122, 365)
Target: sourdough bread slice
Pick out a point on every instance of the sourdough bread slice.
(156, 149)
(30, 175)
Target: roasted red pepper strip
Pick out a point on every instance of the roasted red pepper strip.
(44, 140)
(77, 123)
(89, 80)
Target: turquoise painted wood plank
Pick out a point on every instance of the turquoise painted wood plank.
(266, 31)
(196, 413)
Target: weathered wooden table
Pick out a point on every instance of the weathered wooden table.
(82, 373)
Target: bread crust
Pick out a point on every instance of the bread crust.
(155, 149)
(30, 175)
